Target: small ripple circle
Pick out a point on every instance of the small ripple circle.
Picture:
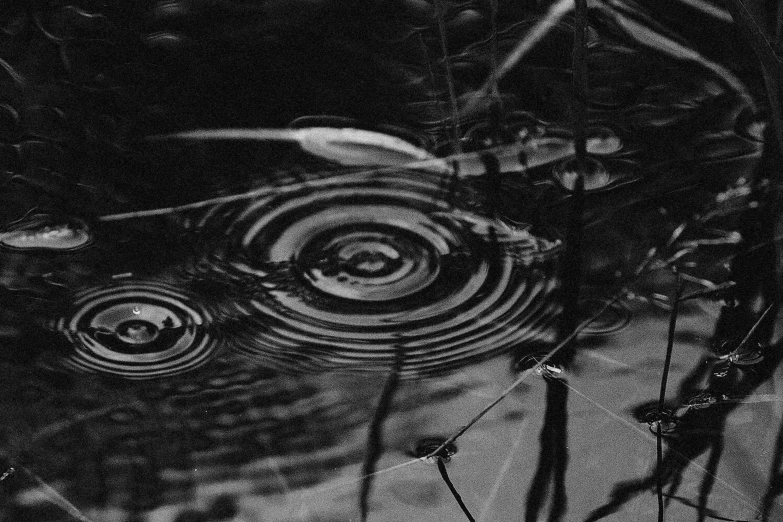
(137, 330)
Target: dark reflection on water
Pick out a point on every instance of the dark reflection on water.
(200, 329)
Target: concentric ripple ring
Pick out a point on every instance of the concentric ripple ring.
(345, 273)
(137, 330)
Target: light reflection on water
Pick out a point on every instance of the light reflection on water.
(260, 355)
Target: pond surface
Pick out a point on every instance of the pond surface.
(305, 261)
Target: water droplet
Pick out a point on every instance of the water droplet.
(136, 310)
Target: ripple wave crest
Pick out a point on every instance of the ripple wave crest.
(136, 330)
(347, 272)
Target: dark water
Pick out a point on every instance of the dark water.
(282, 260)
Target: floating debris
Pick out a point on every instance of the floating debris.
(7, 473)
(46, 232)
(346, 146)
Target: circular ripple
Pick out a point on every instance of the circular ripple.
(356, 271)
(136, 330)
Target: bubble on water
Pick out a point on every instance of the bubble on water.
(136, 330)
(347, 274)
(46, 232)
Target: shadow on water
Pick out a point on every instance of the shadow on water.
(549, 479)
(744, 360)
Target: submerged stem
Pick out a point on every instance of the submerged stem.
(457, 497)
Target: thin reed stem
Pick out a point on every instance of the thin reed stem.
(457, 497)
(579, 81)
(456, 133)
(662, 396)
(659, 471)
(526, 373)
(670, 341)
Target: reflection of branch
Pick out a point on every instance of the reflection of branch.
(662, 397)
(775, 486)
(771, 65)
(708, 513)
(553, 458)
(375, 436)
(700, 430)
(709, 477)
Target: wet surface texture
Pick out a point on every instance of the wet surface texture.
(302, 261)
